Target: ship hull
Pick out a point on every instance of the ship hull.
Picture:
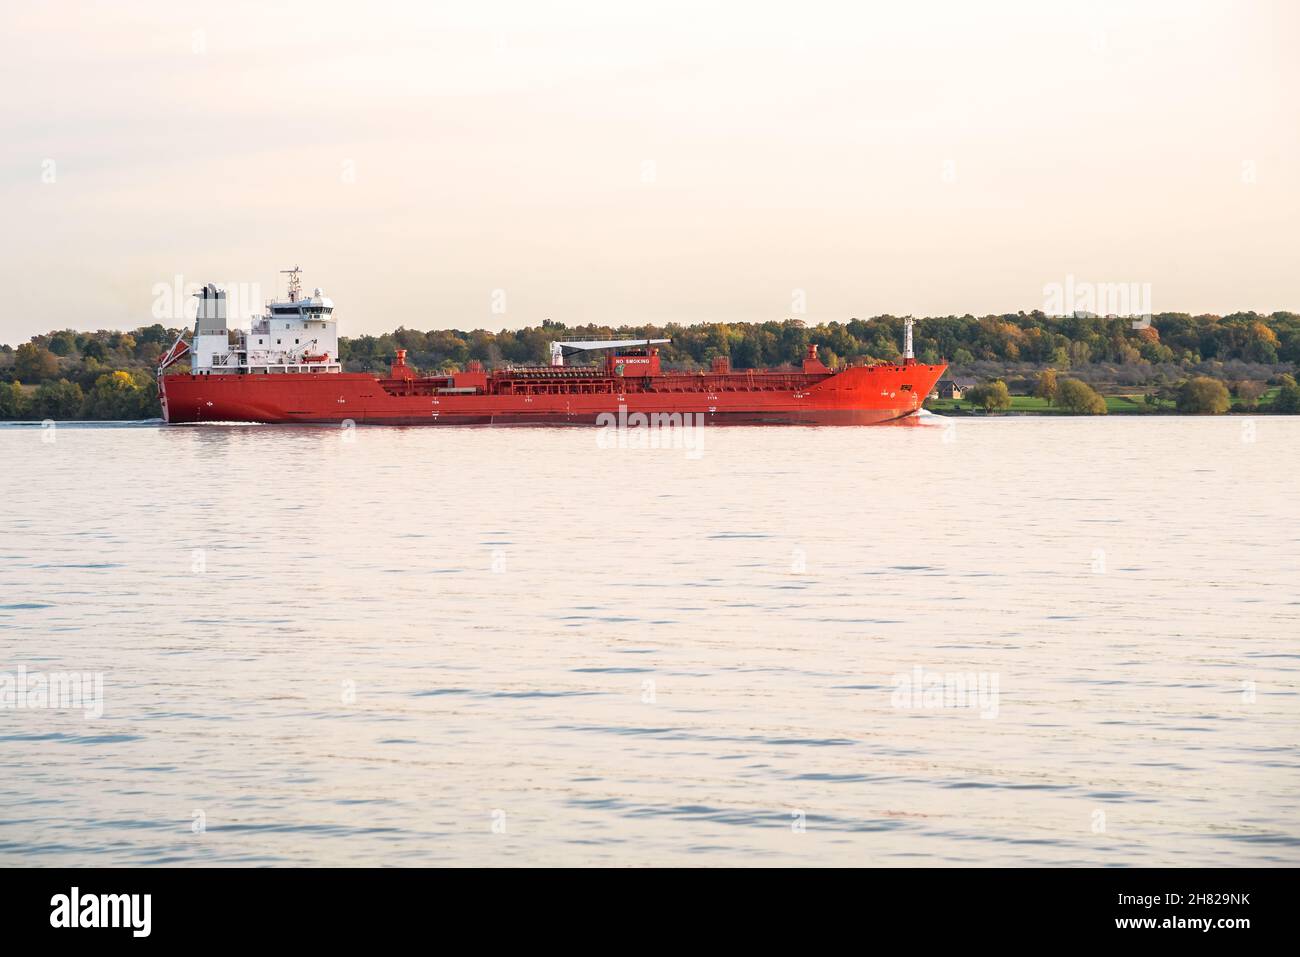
(867, 395)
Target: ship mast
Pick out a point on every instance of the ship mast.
(295, 282)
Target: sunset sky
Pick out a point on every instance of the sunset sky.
(648, 162)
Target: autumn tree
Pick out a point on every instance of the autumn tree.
(993, 396)
(1079, 398)
(1203, 396)
(118, 395)
(1249, 393)
(1046, 387)
(33, 363)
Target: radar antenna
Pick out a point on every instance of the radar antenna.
(295, 282)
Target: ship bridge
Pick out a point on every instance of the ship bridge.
(295, 334)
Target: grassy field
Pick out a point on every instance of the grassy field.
(1027, 404)
(1134, 404)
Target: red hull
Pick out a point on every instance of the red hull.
(862, 395)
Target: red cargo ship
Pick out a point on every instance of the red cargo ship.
(286, 369)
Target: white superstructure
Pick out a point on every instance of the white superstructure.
(297, 334)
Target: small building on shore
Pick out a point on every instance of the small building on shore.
(953, 388)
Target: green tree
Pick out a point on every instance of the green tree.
(57, 400)
(1079, 398)
(63, 343)
(14, 403)
(32, 363)
(117, 395)
(1046, 387)
(993, 396)
(1203, 396)
(1288, 397)
(156, 334)
(744, 354)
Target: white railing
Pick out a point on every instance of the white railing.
(228, 361)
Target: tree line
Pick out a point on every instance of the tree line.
(1198, 395)
(109, 374)
(963, 341)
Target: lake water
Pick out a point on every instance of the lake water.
(513, 646)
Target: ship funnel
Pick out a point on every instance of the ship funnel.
(211, 314)
(399, 369)
(812, 365)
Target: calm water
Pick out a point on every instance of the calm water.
(510, 646)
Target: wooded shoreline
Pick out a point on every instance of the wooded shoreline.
(109, 375)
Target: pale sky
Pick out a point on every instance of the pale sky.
(646, 162)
